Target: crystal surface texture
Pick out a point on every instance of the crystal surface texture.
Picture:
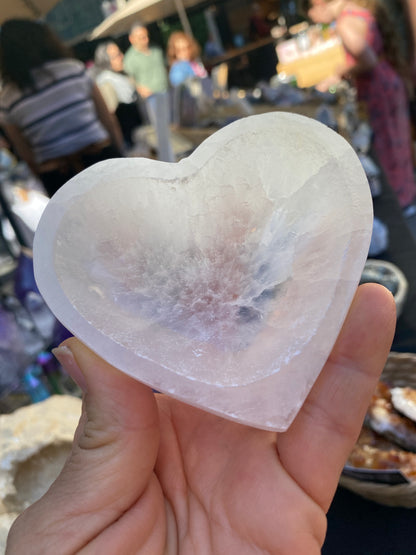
(222, 280)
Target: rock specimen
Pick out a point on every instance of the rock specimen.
(222, 280)
(34, 444)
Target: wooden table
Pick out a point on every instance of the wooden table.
(198, 134)
(234, 53)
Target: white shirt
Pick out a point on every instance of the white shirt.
(123, 85)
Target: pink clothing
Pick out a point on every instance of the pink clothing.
(384, 94)
(198, 69)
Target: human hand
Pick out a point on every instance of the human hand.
(328, 83)
(150, 475)
(143, 91)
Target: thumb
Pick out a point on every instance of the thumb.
(113, 454)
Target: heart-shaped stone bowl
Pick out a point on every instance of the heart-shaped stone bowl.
(222, 280)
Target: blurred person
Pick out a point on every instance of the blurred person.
(145, 63)
(50, 109)
(263, 59)
(183, 58)
(148, 474)
(258, 23)
(193, 95)
(199, 98)
(374, 64)
(118, 89)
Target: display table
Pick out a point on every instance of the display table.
(402, 252)
(357, 526)
(234, 53)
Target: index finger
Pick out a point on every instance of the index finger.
(330, 420)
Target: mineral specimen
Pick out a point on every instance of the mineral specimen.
(222, 280)
(34, 444)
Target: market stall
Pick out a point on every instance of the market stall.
(354, 525)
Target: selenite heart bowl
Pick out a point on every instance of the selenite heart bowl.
(222, 280)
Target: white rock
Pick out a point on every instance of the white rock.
(34, 444)
(222, 280)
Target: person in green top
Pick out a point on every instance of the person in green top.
(145, 63)
(147, 67)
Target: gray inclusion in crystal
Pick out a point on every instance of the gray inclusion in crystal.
(249, 314)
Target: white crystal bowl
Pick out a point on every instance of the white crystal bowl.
(222, 280)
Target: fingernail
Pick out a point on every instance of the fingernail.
(66, 358)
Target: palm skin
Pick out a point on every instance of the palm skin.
(226, 482)
(151, 475)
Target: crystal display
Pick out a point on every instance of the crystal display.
(222, 280)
